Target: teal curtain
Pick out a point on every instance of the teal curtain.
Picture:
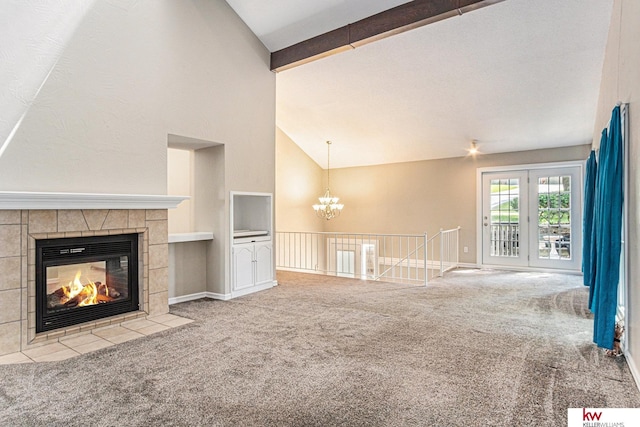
(607, 233)
(588, 239)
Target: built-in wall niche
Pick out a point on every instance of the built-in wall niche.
(251, 217)
(195, 168)
(180, 182)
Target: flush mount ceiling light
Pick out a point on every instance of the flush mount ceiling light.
(328, 207)
(473, 149)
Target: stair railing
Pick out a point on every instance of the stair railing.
(400, 258)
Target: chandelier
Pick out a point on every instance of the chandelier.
(329, 207)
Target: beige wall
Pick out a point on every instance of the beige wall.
(125, 75)
(621, 83)
(418, 197)
(299, 182)
(180, 182)
(187, 268)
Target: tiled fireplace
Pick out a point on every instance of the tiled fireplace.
(20, 229)
(80, 279)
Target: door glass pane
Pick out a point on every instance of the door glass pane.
(505, 217)
(346, 263)
(368, 268)
(554, 217)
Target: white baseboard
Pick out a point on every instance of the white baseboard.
(633, 368)
(301, 270)
(530, 269)
(252, 289)
(223, 297)
(198, 295)
(215, 295)
(468, 265)
(185, 298)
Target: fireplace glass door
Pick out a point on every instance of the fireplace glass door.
(84, 279)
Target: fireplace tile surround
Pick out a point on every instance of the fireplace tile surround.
(20, 228)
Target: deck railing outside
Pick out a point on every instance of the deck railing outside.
(399, 258)
(505, 239)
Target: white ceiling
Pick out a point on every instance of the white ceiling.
(516, 75)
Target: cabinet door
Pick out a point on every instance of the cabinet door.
(264, 263)
(242, 267)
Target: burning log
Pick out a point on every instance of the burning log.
(78, 295)
(57, 298)
(87, 296)
(108, 291)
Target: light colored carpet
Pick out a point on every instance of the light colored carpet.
(476, 348)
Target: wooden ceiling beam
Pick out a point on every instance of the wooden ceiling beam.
(399, 19)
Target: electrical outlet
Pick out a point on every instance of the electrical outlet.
(465, 249)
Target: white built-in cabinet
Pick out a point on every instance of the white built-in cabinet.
(252, 265)
(251, 242)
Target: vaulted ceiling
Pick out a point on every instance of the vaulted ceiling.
(515, 75)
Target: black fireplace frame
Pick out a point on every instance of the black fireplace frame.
(63, 251)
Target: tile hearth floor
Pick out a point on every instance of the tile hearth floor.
(76, 345)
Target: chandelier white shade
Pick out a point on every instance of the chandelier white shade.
(328, 207)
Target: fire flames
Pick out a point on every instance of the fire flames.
(77, 294)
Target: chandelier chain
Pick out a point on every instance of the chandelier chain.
(328, 164)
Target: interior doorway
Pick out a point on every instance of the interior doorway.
(355, 258)
(532, 216)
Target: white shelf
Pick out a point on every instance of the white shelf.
(250, 233)
(190, 237)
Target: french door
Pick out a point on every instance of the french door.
(504, 217)
(532, 218)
